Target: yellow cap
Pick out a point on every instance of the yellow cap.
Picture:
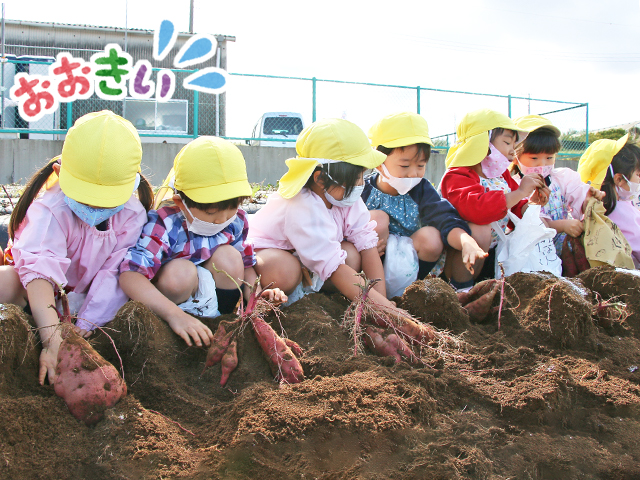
(100, 159)
(325, 141)
(210, 170)
(595, 161)
(530, 123)
(473, 137)
(400, 130)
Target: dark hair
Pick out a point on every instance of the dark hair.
(626, 162)
(341, 173)
(425, 148)
(221, 205)
(496, 132)
(542, 140)
(35, 184)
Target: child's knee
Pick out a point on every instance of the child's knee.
(11, 289)
(482, 235)
(178, 280)
(382, 222)
(353, 256)
(428, 244)
(280, 268)
(229, 261)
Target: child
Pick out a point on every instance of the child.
(569, 195)
(180, 260)
(614, 166)
(478, 183)
(404, 203)
(317, 219)
(76, 234)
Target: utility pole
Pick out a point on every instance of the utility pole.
(191, 17)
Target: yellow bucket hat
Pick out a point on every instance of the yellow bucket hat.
(473, 137)
(400, 130)
(529, 123)
(211, 169)
(100, 159)
(327, 141)
(595, 161)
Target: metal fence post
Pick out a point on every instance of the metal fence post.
(313, 110)
(418, 98)
(69, 115)
(509, 98)
(586, 130)
(196, 111)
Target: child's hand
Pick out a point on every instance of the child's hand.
(81, 332)
(593, 192)
(382, 245)
(540, 196)
(274, 295)
(573, 227)
(530, 182)
(49, 358)
(188, 328)
(471, 252)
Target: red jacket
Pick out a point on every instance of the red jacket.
(462, 187)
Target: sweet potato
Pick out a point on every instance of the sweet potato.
(229, 362)
(86, 382)
(284, 364)
(574, 258)
(412, 329)
(219, 345)
(390, 346)
(295, 348)
(477, 301)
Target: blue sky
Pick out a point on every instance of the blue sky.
(583, 51)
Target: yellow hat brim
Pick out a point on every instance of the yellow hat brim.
(218, 193)
(596, 160)
(102, 196)
(469, 151)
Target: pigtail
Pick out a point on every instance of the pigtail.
(31, 191)
(609, 188)
(145, 193)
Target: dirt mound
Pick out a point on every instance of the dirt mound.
(549, 394)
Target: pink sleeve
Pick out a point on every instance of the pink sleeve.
(308, 227)
(105, 297)
(575, 190)
(359, 229)
(40, 248)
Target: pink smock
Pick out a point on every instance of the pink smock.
(53, 243)
(627, 217)
(305, 225)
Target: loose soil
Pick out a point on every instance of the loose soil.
(553, 393)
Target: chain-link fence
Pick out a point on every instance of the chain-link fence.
(239, 114)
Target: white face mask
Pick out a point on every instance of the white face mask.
(402, 185)
(346, 201)
(206, 229)
(628, 195)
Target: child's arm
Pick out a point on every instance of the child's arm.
(372, 268)
(42, 302)
(471, 251)
(346, 280)
(569, 226)
(139, 288)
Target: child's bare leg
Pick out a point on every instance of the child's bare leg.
(278, 267)
(177, 280)
(454, 267)
(382, 228)
(11, 290)
(353, 260)
(226, 259)
(429, 246)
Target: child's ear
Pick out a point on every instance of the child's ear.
(617, 179)
(316, 178)
(178, 200)
(56, 168)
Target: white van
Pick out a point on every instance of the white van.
(278, 126)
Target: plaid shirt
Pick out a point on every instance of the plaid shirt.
(166, 237)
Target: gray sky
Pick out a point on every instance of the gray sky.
(583, 51)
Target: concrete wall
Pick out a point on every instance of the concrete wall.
(19, 159)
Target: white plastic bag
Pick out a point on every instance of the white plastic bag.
(400, 265)
(529, 248)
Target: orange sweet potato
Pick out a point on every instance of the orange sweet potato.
(284, 364)
(86, 382)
